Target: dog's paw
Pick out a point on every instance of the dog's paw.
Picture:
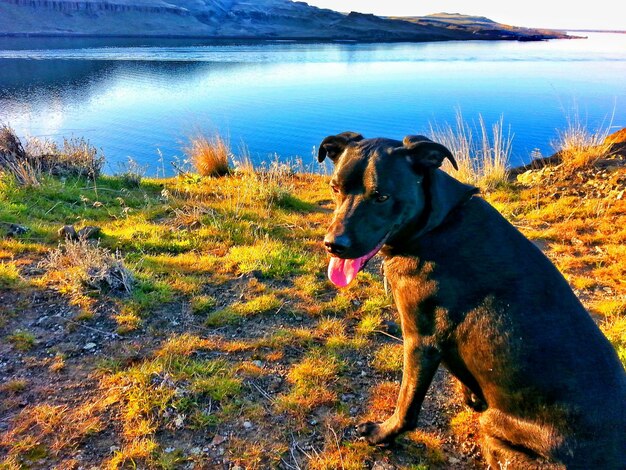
(373, 433)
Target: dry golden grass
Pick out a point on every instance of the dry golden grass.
(578, 147)
(209, 156)
(483, 160)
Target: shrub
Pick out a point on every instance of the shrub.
(209, 156)
(482, 162)
(81, 263)
(15, 161)
(76, 157)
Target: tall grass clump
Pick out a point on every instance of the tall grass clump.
(210, 157)
(482, 157)
(578, 147)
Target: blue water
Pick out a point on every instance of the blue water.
(136, 98)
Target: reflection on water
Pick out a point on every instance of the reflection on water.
(132, 97)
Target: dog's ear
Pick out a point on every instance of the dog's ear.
(334, 145)
(423, 153)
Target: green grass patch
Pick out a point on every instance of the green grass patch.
(22, 340)
(10, 277)
(203, 304)
(272, 259)
(312, 382)
(238, 311)
(388, 358)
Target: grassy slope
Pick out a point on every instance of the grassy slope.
(232, 348)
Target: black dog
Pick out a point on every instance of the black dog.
(474, 294)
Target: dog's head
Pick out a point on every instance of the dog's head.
(382, 187)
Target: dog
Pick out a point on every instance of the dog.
(478, 297)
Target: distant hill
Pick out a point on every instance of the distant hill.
(480, 26)
(262, 19)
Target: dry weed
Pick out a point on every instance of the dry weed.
(481, 162)
(209, 157)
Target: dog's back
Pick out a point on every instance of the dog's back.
(522, 334)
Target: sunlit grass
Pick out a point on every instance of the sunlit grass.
(311, 382)
(209, 156)
(482, 157)
(578, 147)
(10, 277)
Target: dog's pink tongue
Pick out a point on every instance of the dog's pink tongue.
(342, 272)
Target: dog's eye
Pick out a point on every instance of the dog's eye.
(380, 197)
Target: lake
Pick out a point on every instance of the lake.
(143, 98)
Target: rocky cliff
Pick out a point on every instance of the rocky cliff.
(265, 19)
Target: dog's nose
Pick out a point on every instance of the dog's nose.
(336, 245)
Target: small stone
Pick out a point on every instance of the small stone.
(169, 450)
(247, 425)
(217, 440)
(257, 363)
(114, 449)
(67, 232)
(236, 467)
(195, 451)
(89, 232)
(14, 230)
(363, 373)
(313, 422)
(453, 460)
(89, 346)
(382, 466)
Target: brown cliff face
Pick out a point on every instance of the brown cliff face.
(77, 6)
(262, 19)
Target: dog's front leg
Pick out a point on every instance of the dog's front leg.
(420, 364)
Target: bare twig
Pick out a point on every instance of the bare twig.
(262, 392)
(387, 334)
(338, 447)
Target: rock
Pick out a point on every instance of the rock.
(378, 465)
(217, 440)
(248, 425)
(89, 232)
(90, 346)
(85, 233)
(257, 363)
(454, 460)
(13, 230)
(68, 232)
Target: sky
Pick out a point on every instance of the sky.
(562, 14)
